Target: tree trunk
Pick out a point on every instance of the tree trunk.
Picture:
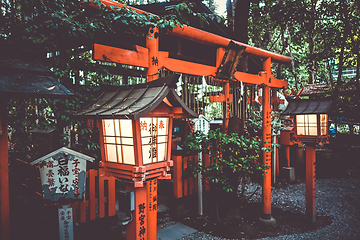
(284, 45)
(343, 41)
(241, 22)
(331, 82)
(229, 13)
(292, 62)
(312, 42)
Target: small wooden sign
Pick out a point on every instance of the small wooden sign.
(63, 174)
(66, 226)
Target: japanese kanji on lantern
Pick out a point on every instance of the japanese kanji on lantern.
(63, 174)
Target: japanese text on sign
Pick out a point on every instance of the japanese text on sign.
(63, 175)
(66, 224)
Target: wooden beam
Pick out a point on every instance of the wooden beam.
(139, 58)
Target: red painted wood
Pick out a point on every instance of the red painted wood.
(83, 206)
(310, 183)
(191, 178)
(4, 174)
(101, 197)
(111, 196)
(177, 172)
(196, 178)
(186, 180)
(75, 208)
(137, 57)
(92, 199)
(138, 228)
(206, 159)
(267, 141)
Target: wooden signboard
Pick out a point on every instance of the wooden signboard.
(63, 174)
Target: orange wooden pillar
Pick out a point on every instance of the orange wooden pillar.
(177, 176)
(152, 209)
(4, 173)
(152, 43)
(287, 155)
(266, 190)
(138, 227)
(310, 183)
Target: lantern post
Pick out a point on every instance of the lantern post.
(311, 127)
(135, 137)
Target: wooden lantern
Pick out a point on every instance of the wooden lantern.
(310, 119)
(136, 128)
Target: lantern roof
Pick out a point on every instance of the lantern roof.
(25, 75)
(135, 101)
(306, 106)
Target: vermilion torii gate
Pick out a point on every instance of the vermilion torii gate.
(153, 59)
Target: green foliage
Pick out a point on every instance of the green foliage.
(66, 29)
(234, 158)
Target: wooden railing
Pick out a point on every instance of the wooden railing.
(186, 185)
(99, 199)
(96, 184)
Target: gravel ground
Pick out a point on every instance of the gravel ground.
(338, 198)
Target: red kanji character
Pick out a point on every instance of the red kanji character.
(51, 182)
(161, 125)
(62, 218)
(50, 173)
(76, 181)
(49, 164)
(143, 125)
(76, 162)
(76, 171)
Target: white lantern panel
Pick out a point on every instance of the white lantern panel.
(127, 141)
(109, 129)
(129, 155)
(312, 118)
(162, 139)
(126, 128)
(118, 141)
(300, 124)
(323, 124)
(162, 152)
(306, 124)
(146, 152)
(111, 155)
(117, 127)
(110, 140)
(119, 153)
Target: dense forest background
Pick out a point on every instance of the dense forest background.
(321, 36)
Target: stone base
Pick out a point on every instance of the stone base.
(288, 174)
(267, 222)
